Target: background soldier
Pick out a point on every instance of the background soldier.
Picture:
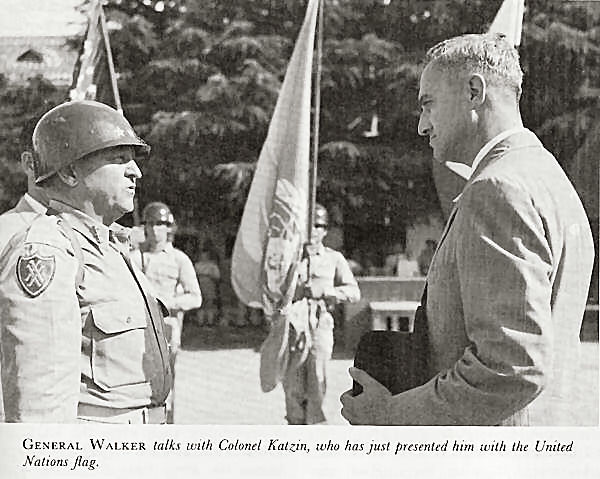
(170, 272)
(80, 334)
(325, 279)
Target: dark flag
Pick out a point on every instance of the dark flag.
(94, 75)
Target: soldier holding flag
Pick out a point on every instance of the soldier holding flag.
(267, 257)
(324, 281)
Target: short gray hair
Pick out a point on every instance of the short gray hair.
(488, 54)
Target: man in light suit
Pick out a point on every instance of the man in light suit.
(507, 287)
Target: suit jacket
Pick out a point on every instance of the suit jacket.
(507, 289)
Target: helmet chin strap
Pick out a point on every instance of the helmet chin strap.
(68, 176)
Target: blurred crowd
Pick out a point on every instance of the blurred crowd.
(221, 307)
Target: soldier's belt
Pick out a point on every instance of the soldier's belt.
(144, 415)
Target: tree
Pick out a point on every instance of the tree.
(20, 107)
(202, 82)
(199, 80)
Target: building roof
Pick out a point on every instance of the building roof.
(35, 39)
(24, 57)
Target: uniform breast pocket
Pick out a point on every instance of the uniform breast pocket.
(118, 346)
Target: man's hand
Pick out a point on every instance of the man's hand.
(312, 291)
(328, 294)
(371, 406)
(171, 304)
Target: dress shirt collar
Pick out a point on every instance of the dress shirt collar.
(488, 147)
(493, 142)
(120, 235)
(34, 204)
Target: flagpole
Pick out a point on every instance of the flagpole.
(317, 113)
(109, 59)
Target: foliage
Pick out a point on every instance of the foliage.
(199, 79)
(20, 107)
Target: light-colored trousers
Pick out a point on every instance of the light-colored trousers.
(305, 385)
(174, 326)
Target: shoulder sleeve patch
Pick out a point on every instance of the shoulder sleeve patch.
(35, 272)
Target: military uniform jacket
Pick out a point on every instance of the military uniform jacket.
(507, 289)
(72, 334)
(11, 222)
(19, 218)
(327, 272)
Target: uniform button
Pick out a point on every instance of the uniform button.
(128, 320)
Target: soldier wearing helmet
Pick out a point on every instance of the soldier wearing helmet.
(81, 332)
(325, 280)
(171, 273)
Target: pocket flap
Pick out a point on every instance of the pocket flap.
(110, 319)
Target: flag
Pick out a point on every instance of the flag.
(269, 241)
(94, 75)
(451, 177)
(509, 21)
(273, 224)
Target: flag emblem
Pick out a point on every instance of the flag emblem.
(35, 273)
(283, 245)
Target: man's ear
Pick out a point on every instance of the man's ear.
(27, 163)
(477, 89)
(68, 176)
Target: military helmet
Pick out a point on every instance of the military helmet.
(157, 212)
(75, 129)
(321, 217)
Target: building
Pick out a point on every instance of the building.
(40, 37)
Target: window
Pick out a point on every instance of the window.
(31, 56)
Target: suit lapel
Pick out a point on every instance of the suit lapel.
(446, 230)
(522, 139)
